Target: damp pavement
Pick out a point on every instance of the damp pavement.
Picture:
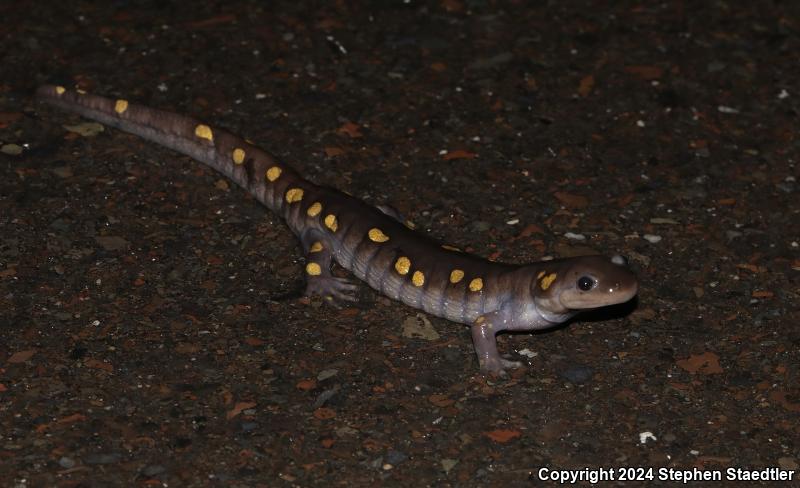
(151, 332)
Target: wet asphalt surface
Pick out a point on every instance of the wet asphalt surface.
(151, 332)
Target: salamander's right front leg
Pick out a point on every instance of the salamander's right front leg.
(319, 280)
(483, 338)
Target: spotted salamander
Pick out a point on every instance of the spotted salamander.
(374, 244)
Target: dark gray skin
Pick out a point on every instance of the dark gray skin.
(374, 244)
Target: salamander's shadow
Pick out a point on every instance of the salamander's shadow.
(611, 312)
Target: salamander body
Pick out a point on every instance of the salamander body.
(374, 245)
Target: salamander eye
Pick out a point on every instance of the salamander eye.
(586, 283)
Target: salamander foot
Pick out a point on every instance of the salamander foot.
(498, 366)
(332, 288)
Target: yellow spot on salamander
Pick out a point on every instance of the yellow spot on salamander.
(238, 156)
(418, 278)
(273, 173)
(547, 281)
(60, 90)
(294, 195)
(480, 320)
(314, 209)
(450, 248)
(313, 269)
(81, 92)
(121, 106)
(377, 235)
(331, 222)
(316, 247)
(411, 225)
(456, 275)
(402, 265)
(476, 284)
(539, 276)
(204, 132)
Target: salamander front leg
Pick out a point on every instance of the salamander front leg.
(484, 330)
(319, 280)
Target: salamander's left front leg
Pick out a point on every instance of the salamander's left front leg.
(484, 330)
(319, 280)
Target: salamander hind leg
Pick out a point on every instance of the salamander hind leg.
(484, 330)
(319, 280)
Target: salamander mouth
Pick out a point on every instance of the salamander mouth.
(572, 299)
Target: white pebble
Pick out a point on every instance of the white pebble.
(646, 436)
(576, 237)
(651, 238)
(661, 220)
(728, 110)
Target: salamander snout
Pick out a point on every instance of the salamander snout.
(596, 281)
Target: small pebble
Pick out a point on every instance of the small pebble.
(325, 396)
(448, 464)
(702, 152)
(577, 374)
(66, 462)
(102, 458)
(395, 457)
(727, 110)
(153, 470)
(11, 149)
(575, 237)
(63, 172)
(86, 129)
(662, 220)
(651, 238)
(646, 436)
(345, 431)
(326, 373)
(481, 226)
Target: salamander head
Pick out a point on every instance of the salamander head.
(584, 283)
